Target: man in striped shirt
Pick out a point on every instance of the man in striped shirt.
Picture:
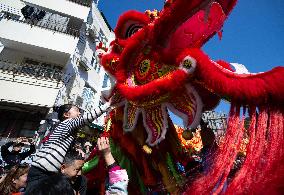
(50, 156)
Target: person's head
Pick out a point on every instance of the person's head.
(18, 147)
(53, 185)
(15, 179)
(72, 164)
(67, 111)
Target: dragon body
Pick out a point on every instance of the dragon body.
(158, 64)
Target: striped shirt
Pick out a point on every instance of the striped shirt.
(51, 155)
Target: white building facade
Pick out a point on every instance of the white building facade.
(48, 57)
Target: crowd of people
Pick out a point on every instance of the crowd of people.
(56, 167)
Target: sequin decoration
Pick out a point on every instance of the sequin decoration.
(130, 116)
(156, 124)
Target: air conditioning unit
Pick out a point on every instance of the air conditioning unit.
(84, 63)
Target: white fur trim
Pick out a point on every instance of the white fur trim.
(125, 118)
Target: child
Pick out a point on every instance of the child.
(118, 178)
(73, 163)
(72, 169)
(48, 160)
(15, 180)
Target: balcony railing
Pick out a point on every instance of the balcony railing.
(38, 71)
(87, 3)
(49, 25)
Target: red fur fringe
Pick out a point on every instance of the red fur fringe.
(263, 169)
(252, 89)
(225, 156)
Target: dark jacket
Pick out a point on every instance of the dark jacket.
(14, 158)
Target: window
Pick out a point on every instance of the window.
(106, 79)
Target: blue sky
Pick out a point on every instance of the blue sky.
(253, 35)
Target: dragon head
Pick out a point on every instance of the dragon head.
(158, 65)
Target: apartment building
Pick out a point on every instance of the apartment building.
(48, 57)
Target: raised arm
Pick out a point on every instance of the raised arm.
(87, 117)
(118, 178)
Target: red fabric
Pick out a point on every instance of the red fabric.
(195, 31)
(173, 16)
(96, 177)
(133, 151)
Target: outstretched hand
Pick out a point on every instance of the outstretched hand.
(104, 147)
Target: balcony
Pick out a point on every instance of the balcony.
(42, 39)
(87, 3)
(40, 71)
(48, 25)
(29, 84)
(78, 9)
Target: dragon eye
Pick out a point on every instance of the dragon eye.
(188, 64)
(144, 66)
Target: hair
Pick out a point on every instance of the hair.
(7, 187)
(71, 156)
(53, 185)
(62, 109)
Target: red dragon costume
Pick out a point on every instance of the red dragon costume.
(158, 65)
